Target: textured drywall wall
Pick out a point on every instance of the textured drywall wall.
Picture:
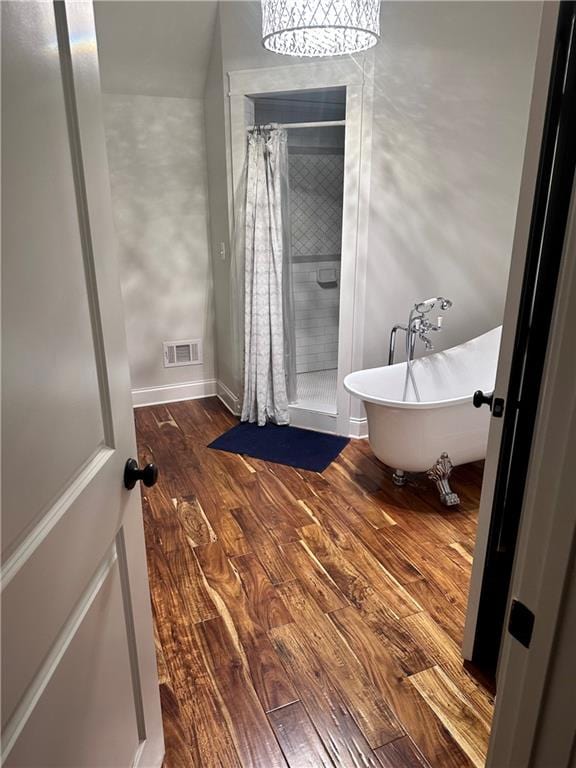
(157, 156)
(451, 96)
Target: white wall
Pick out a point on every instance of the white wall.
(452, 89)
(154, 47)
(156, 150)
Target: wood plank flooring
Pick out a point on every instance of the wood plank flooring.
(306, 620)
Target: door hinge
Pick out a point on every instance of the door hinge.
(521, 623)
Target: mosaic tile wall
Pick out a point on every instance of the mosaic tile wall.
(316, 187)
(316, 184)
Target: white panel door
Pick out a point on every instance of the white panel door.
(79, 684)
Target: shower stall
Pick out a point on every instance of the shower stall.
(318, 107)
(315, 125)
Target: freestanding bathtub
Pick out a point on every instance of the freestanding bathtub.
(421, 417)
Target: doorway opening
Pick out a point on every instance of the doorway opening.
(315, 124)
(329, 146)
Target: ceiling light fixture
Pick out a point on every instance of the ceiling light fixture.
(320, 27)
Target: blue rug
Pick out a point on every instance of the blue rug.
(284, 445)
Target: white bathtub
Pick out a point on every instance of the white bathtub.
(415, 418)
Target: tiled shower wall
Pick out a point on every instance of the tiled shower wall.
(316, 312)
(316, 182)
(316, 189)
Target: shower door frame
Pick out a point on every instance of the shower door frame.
(350, 419)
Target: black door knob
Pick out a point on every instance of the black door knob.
(479, 399)
(132, 473)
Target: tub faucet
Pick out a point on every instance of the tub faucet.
(419, 327)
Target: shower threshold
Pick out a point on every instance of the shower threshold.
(316, 391)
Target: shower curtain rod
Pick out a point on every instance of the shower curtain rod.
(320, 124)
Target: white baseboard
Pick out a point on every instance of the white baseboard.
(172, 393)
(228, 398)
(358, 427)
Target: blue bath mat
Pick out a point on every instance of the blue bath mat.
(284, 445)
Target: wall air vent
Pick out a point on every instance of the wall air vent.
(186, 352)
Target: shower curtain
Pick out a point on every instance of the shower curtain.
(269, 360)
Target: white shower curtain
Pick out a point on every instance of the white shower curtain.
(266, 265)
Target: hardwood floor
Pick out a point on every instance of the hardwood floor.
(302, 619)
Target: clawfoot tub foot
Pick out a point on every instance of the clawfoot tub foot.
(440, 474)
(399, 477)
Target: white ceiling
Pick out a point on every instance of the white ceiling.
(154, 47)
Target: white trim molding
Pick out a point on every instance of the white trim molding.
(172, 393)
(358, 428)
(296, 77)
(228, 398)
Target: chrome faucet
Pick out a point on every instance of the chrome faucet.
(419, 327)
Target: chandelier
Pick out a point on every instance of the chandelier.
(320, 27)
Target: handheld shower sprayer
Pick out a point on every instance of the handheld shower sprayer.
(419, 326)
(423, 307)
